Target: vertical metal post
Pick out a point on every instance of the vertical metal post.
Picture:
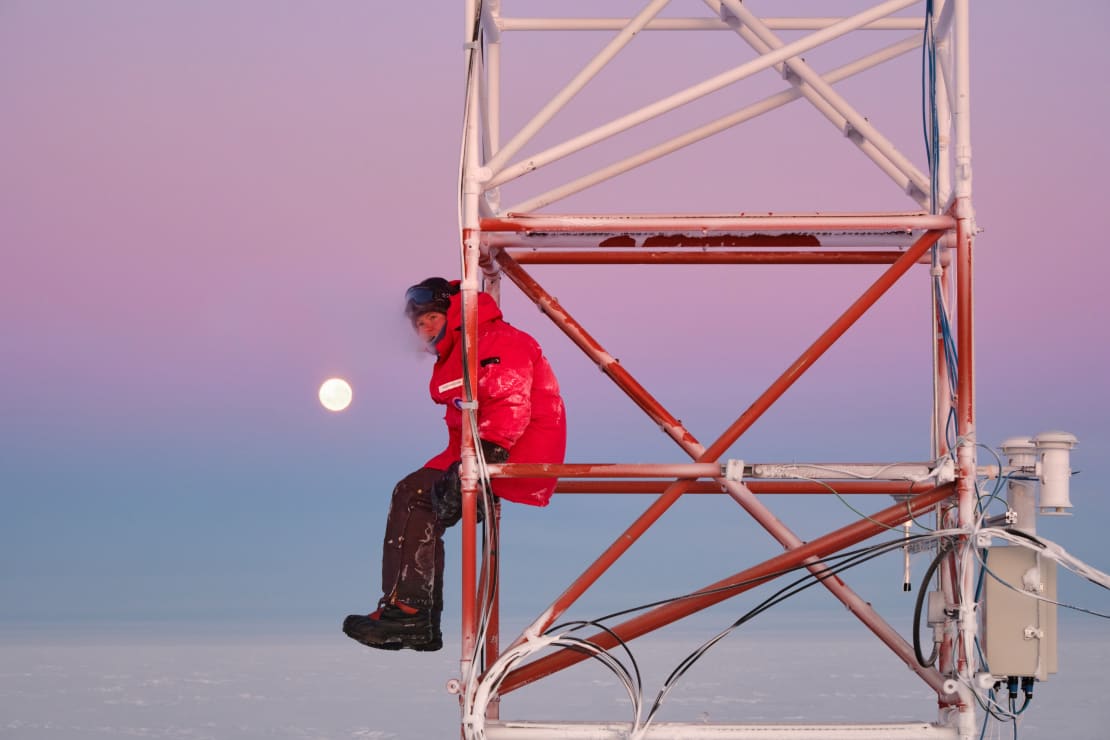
(489, 584)
(491, 123)
(493, 86)
(943, 389)
(470, 193)
(966, 457)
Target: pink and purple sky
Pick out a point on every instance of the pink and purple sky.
(206, 208)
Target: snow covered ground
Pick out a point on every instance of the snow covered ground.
(226, 682)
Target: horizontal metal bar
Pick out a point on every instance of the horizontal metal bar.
(606, 470)
(843, 487)
(641, 257)
(706, 224)
(842, 470)
(911, 471)
(697, 24)
(508, 730)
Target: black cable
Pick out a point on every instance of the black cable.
(834, 565)
(809, 580)
(1027, 689)
(857, 558)
(490, 547)
(611, 633)
(943, 549)
(757, 580)
(1019, 533)
(851, 560)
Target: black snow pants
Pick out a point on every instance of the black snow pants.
(412, 554)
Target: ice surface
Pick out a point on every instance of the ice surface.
(314, 684)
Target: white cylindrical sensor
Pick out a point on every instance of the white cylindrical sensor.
(1055, 450)
(1021, 495)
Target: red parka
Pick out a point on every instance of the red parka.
(519, 406)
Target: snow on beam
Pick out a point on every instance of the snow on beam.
(696, 223)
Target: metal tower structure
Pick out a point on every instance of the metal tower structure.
(933, 232)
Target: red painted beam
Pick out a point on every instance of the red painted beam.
(642, 257)
(845, 487)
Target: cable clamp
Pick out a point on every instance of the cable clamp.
(1002, 520)
(468, 405)
(472, 45)
(945, 471)
(733, 470)
(986, 681)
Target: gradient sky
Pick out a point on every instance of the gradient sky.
(206, 208)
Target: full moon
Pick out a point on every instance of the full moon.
(335, 394)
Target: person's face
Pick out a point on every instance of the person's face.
(429, 325)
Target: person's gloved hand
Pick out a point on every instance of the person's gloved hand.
(493, 453)
(447, 490)
(447, 496)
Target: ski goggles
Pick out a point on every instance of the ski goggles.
(419, 295)
(422, 299)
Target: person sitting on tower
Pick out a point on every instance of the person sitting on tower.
(521, 417)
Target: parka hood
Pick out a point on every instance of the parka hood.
(488, 310)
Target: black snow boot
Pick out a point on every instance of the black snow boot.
(396, 627)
